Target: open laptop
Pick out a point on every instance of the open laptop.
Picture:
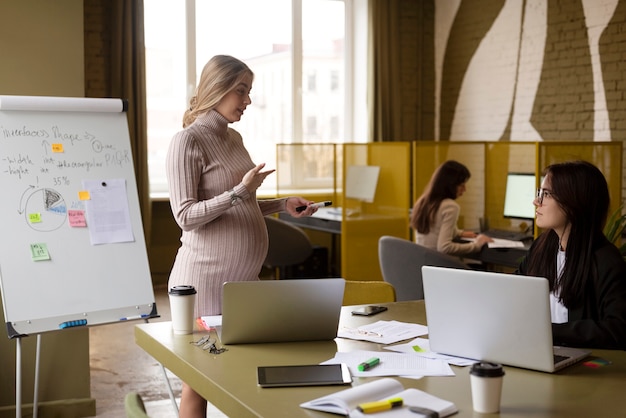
(497, 317)
(281, 310)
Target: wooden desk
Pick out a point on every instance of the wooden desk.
(354, 239)
(228, 380)
(326, 221)
(322, 220)
(507, 257)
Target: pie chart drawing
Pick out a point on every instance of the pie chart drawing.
(50, 206)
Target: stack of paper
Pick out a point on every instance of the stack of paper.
(384, 332)
(392, 364)
(346, 401)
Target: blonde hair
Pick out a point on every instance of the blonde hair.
(219, 76)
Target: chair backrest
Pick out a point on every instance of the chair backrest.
(401, 264)
(369, 291)
(133, 406)
(288, 244)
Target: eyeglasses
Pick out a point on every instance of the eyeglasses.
(541, 193)
(363, 332)
(208, 344)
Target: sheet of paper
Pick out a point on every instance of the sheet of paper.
(505, 243)
(500, 243)
(421, 347)
(392, 364)
(384, 332)
(211, 321)
(108, 214)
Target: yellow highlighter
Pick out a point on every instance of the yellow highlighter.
(378, 406)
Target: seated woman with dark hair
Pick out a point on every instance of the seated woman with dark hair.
(587, 274)
(436, 213)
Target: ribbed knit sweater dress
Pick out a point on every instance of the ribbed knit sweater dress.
(220, 242)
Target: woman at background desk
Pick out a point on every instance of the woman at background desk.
(587, 274)
(436, 213)
(212, 184)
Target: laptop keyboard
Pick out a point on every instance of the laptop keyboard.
(504, 234)
(558, 358)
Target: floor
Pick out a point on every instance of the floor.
(119, 366)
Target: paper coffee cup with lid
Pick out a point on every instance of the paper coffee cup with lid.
(182, 304)
(486, 384)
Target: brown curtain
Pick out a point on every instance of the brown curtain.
(401, 70)
(128, 75)
(383, 75)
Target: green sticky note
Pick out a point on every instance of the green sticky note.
(39, 252)
(34, 218)
(418, 349)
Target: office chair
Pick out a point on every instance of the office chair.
(401, 263)
(370, 291)
(288, 246)
(134, 407)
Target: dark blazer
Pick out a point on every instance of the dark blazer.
(601, 321)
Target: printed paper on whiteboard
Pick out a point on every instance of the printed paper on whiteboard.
(108, 214)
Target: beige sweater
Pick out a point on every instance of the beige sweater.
(220, 242)
(444, 230)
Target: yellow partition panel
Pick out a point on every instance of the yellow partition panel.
(503, 158)
(364, 222)
(607, 156)
(428, 156)
(319, 171)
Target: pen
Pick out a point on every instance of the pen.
(371, 407)
(366, 365)
(315, 205)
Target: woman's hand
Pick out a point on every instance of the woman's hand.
(468, 234)
(255, 177)
(295, 201)
(482, 239)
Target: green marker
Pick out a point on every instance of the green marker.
(366, 365)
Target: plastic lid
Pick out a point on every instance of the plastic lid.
(182, 290)
(485, 369)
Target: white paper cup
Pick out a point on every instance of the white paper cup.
(486, 382)
(182, 303)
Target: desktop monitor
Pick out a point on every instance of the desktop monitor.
(519, 196)
(361, 182)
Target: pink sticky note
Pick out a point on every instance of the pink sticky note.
(76, 218)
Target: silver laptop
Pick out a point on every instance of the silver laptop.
(281, 310)
(502, 318)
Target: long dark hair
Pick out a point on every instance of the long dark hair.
(581, 191)
(443, 185)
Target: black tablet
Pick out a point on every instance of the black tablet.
(303, 375)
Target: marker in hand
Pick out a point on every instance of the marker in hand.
(314, 205)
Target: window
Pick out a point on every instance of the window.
(311, 127)
(311, 80)
(301, 52)
(334, 80)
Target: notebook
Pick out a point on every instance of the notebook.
(497, 317)
(281, 310)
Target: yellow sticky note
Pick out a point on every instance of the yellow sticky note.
(57, 147)
(39, 252)
(84, 195)
(34, 218)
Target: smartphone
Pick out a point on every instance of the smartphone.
(369, 310)
(304, 375)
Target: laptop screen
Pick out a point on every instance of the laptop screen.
(497, 317)
(281, 310)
